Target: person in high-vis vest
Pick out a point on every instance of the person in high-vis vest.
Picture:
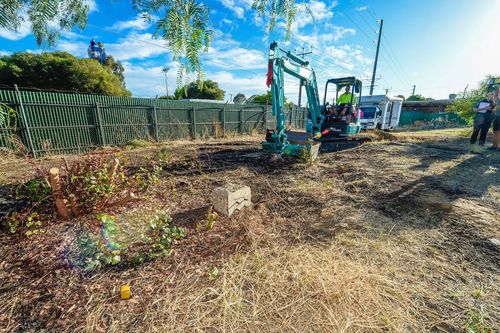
(347, 97)
(345, 103)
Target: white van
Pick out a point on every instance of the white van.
(380, 112)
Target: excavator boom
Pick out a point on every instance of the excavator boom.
(283, 62)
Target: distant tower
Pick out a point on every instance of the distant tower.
(96, 51)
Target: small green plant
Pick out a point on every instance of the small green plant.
(91, 253)
(478, 293)
(34, 225)
(477, 323)
(162, 156)
(306, 156)
(213, 274)
(162, 234)
(29, 223)
(137, 143)
(211, 218)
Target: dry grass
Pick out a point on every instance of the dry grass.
(388, 237)
(354, 284)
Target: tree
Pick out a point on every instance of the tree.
(116, 67)
(417, 98)
(185, 28)
(239, 98)
(464, 105)
(184, 24)
(261, 99)
(267, 99)
(200, 90)
(401, 96)
(42, 14)
(61, 71)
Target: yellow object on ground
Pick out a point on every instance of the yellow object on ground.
(125, 291)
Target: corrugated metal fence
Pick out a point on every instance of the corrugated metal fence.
(72, 123)
(412, 118)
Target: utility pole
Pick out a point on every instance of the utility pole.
(465, 90)
(301, 83)
(413, 92)
(387, 90)
(165, 70)
(376, 57)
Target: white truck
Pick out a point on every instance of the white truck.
(380, 112)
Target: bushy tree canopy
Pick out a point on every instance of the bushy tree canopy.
(183, 24)
(464, 105)
(200, 90)
(239, 98)
(61, 71)
(417, 98)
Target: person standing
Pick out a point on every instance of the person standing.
(496, 120)
(482, 121)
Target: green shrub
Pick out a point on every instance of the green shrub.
(131, 238)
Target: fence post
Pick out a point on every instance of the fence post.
(155, 123)
(224, 121)
(193, 120)
(25, 121)
(99, 123)
(241, 120)
(264, 108)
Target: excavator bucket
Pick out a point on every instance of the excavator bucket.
(300, 145)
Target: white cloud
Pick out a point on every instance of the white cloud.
(78, 49)
(238, 10)
(136, 46)
(320, 11)
(236, 57)
(4, 53)
(22, 31)
(137, 23)
(149, 81)
(361, 8)
(92, 5)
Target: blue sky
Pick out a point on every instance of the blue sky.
(440, 46)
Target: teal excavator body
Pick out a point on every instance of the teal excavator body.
(321, 125)
(279, 65)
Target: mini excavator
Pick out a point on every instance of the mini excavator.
(325, 124)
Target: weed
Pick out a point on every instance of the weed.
(478, 293)
(306, 156)
(211, 218)
(477, 323)
(162, 234)
(34, 225)
(137, 143)
(115, 244)
(212, 275)
(162, 156)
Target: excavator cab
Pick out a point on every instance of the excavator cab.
(341, 118)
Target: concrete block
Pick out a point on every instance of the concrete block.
(231, 197)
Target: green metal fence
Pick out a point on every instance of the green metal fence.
(73, 123)
(410, 118)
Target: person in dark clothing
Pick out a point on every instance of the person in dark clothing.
(483, 119)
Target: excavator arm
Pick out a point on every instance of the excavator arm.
(287, 63)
